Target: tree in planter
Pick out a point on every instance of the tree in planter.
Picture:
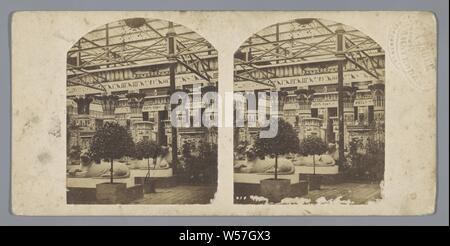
(375, 160)
(366, 164)
(129, 145)
(286, 141)
(187, 161)
(112, 141)
(147, 149)
(313, 146)
(186, 153)
(201, 166)
(208, 161)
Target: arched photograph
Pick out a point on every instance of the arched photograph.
(318, 87)
(123, 143)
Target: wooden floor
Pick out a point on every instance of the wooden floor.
(356, 193)
(182, 194)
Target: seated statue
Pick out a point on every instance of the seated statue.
(89, 169)
(266, 165)
(320, 160)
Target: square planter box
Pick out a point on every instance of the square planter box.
(148, 185)
(115, 193)
(275, 189)
(315, 181)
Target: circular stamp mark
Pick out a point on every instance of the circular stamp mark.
(412, 49)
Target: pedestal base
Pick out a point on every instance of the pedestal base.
(115, 193)
(275, 189)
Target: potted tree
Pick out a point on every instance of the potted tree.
(313, 145)
(112, 141)
(207, 163)
(148, 149)
(285, 141)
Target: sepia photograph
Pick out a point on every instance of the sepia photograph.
(318, 113)
(319, 86)
(122, 145)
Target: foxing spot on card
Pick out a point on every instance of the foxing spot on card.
(223, 113)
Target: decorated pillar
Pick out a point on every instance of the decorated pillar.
(249, 118)
(304, 98)
(181, 119)
(135, 102)
(83, 103)
(377, 90)
(172, 57)
(281, 100)
(84, 125)
(109, 104)
(340, 55)
(211, 132)
(349, 95)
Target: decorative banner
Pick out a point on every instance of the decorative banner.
(324, 104)
(363, 102)
(136, 84)
(154, 108)
(122, 110)
(96, 107)
(306, 80)
(290, 106)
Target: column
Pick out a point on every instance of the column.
(377, 90)
(109, 104)
(211, 132)
(83, 103)
(171, 55)
(83, 121)
(349, 99)
(135, 103)
(304, 98)
(340, 56)
(281, 100)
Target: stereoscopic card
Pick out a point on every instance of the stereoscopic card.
(223, 113)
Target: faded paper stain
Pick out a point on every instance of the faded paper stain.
(44, 157)
(40, 41)
(55, 127)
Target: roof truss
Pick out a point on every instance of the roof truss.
(302, 40)
(118, 44)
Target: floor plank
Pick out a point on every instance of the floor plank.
(356, 193)
(183, 194)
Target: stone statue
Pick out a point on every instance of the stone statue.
(163, 161)
(89, 169)
(266, 165)
(256, 164)
(320, 160)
